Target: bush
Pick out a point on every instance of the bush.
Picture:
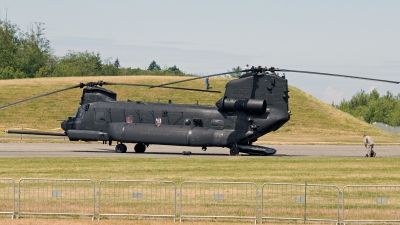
(9, 73)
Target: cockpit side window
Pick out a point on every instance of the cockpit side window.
(80, 112)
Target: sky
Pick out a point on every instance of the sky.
(350, 37)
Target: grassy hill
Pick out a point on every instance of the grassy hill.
(312, 121)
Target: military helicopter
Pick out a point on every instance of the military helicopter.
(253, 105)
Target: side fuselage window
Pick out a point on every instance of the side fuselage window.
(99, 116)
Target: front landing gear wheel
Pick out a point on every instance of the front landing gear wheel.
(120, 148)
(140, 148)
(234, 151)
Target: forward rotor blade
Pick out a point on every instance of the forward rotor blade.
(336, 75)
(42, 95)
(35, 132)
(126, 84)
(171, 87)
(196, 78)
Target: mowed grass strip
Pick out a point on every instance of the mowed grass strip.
(35, 221)
(338, 171)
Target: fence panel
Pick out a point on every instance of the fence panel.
(137, 198)
(56, 197)
(218, 200)
(371, 203)
(385, 127)
(300, 202)
(7, 196)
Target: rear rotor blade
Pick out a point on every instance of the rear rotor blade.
(171, 87)
(42, 95)
(196, 78)
(335, 75)
(189, 89)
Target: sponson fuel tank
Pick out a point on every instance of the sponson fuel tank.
(170, 134)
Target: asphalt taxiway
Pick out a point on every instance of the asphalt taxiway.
(100, 150)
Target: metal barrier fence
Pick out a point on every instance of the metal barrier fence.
(227, 200)
(371, 203)
(388, 128)
(137, 198)
(56, 197)
(300, 202)
(7, 196)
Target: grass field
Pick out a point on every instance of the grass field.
(338, 171)
(316, 170)
(312, 122)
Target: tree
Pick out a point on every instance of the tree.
(34, 50)
(24, 53)
(99, 63)
(373, 108)
(8, 44)
(79, 64)
(10, 73)
(236, 71)
(110, 69)
(116, 63)
(174, 70)
(154, 66)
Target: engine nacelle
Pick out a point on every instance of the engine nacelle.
(248, 105)
(86, 135)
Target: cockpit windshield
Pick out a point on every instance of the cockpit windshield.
(79, 113)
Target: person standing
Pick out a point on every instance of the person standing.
(369, 145)
(207, 83)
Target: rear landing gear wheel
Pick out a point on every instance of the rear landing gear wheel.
(120, 148)
(234, 151)
(140, 148)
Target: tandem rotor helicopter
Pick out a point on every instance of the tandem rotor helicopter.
(253, 105)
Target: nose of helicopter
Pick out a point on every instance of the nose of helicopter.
(68, 124)
(64, 125)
